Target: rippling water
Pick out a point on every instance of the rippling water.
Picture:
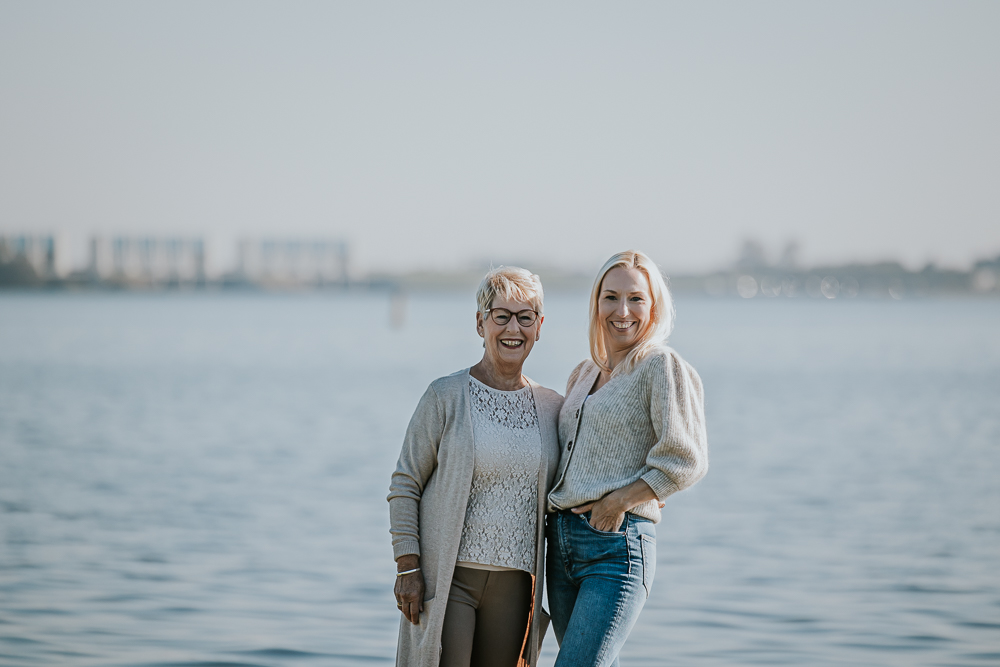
(200, 479)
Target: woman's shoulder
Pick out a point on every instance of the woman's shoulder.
(450, 385)
(663, 352)
(544, 394)
(665, 360)
(581, 370)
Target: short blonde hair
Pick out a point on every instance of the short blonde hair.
(661, 321)
(510, 282)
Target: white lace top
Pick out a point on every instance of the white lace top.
(500, 521)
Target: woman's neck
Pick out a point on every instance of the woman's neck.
(504, 379)
(615, 357)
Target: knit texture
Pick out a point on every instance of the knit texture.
(649, 425)
(428, 495)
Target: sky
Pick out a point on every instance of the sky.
(438, 135)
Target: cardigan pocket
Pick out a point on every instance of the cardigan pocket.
(425, 615)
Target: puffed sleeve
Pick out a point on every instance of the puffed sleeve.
(679, 458)
(417, 462)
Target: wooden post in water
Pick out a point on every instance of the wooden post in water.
(397, 307)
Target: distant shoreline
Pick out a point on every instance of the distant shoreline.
(886, 280)
(124, 263)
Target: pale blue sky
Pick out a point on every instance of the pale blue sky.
(433, 134)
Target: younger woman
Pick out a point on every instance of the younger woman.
(631, 433)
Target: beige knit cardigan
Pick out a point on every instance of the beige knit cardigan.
(428, 495)
(648, 424)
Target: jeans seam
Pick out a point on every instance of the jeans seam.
(615, 623)
(564, 555)
(642, 550)
(628, 549)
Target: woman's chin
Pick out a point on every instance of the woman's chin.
(511, 355)
(624, 339)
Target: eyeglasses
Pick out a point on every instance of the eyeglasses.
(501, 316)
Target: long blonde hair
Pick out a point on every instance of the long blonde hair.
(661, 320)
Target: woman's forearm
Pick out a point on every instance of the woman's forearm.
(633, 495)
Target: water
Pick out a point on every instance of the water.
(200, 479)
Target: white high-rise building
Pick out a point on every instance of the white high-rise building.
(293, 262)
(147, 259)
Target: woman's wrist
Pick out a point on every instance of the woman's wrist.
(620, 501)
(407, 562)
(633, 495)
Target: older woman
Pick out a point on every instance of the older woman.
(632, 432)
(467, 500)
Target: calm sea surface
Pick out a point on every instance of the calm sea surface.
(200, 479)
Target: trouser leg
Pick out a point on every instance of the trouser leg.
(486, 618)
(460, 617)
(561, 588)
(612, 572)
(602, 619)
(502, 620)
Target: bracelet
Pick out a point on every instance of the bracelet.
(400, 574)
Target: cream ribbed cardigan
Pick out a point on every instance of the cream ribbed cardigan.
(649, 425)
(428, 495)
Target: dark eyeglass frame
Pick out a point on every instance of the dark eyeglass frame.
(495, 312)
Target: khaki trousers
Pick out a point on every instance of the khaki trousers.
(486, 618)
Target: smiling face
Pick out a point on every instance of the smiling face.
(623, 307)
(508, 345)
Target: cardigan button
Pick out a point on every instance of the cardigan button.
(569, 445)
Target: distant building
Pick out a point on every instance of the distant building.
(291, 262)
(986, 276)
(42, 252)
(147, 259)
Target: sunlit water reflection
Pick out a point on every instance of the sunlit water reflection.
(200, 479)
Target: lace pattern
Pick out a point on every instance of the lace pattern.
(500, 520)
(510, 409)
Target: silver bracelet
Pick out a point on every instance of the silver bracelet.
(400, 574)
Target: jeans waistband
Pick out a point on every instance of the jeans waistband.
(570, 512)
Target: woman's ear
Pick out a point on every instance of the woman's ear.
(479, 327)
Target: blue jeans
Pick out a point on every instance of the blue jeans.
(597, 584)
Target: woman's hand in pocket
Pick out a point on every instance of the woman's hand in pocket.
(606, 515)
